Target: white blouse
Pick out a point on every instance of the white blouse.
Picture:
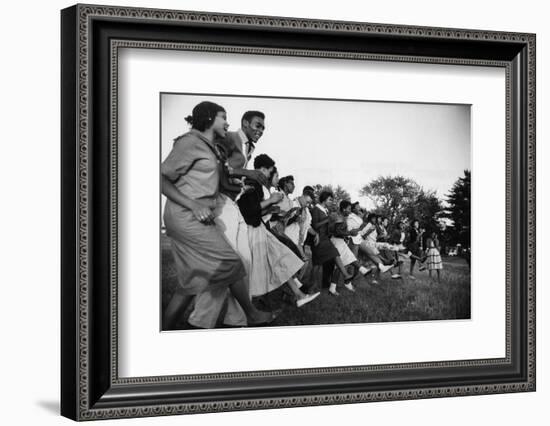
(370, 238)
(354, 222)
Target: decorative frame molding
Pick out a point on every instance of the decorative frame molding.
(91, 37)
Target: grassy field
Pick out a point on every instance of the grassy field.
(388, 301)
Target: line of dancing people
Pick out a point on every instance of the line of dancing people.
(235, 233)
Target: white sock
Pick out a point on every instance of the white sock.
(298, 283)
(332, 287)
(363, 270)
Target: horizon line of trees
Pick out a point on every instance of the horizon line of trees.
(402, 199)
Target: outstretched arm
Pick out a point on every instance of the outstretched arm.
(251, 174)
(273, 199)
(367, 231)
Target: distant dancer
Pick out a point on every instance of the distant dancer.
(433, 259)
(414, 245)
(340, 234)
(324, 253)
(368, 246)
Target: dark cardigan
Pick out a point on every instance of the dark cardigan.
(339, 228)
(249, 203)
(251, 209)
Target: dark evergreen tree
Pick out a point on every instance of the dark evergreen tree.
(459, 200)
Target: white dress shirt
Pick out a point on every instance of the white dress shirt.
(297, 231)
(354, 222)
(267, 194)
(245, 146)
(371, 238)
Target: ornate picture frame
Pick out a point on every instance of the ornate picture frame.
(91, 386)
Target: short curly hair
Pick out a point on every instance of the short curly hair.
(324, 195)
(263, 160)
(344, 204)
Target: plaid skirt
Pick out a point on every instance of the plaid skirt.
(434, 259)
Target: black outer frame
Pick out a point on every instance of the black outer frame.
(90, 389)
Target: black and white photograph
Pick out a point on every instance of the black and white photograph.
(279, 211)
(268, 212)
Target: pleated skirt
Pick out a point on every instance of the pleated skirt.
(273, 263)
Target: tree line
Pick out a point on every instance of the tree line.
(400, 198)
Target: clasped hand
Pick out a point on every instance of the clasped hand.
(203, 214)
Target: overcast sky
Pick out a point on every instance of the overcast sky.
(347, 143)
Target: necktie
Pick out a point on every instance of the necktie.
(250, 148)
